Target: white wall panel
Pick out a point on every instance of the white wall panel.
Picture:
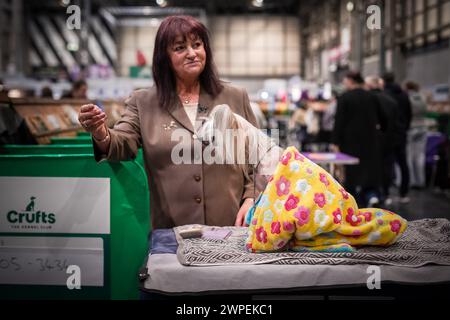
(256, 45)
(242, 45)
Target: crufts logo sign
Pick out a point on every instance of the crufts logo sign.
(31, 216)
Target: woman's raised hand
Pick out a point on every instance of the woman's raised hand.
(93, 120)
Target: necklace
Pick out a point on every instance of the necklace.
(188, 98)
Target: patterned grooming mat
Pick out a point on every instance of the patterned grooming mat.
(424, 242)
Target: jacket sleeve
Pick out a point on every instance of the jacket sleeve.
(408, 111)
(125, 136)
(381, 115)
(249, 191)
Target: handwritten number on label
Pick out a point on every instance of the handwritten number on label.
(61, 265)
(41, 263)
(48, 265)
(44, 264)
(16, 264)
(4, 264)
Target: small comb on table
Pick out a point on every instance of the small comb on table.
(191, 232)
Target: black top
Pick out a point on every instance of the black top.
(357, 132)
(404, 108)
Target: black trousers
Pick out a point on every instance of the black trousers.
(387, 171)
(362, 195)
(400, 159)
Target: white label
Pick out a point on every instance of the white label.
(55, 205)
(44, 260)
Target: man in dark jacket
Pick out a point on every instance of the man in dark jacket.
(404, 118)
(356, 133)
(392, 132)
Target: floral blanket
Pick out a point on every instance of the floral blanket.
(303, 208)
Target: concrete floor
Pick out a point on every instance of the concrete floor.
(425, 203)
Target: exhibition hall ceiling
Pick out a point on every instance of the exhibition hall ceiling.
(213, 6)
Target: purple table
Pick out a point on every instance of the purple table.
(331, 159)
(434, 140)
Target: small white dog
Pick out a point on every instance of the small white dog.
(261, 153)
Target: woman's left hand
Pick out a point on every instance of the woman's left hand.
(240, 218)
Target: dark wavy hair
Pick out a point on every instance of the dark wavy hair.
(163, 75)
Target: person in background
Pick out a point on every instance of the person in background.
(327, 121)
(312, 121)
(355, 133)
(13, 128)
(297, 126)
(79, 90)
(404, 122)
(187, 88)
(3, 92)
(417, 136)
(389, 109)
(46, 92)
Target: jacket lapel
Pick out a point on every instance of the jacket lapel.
(179, 114)
(205, 106)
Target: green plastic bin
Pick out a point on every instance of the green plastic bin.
(88, 140)
(125, 247)
(46, 149)
(70, 140)
(83, 134)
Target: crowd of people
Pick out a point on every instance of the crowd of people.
(380, 123)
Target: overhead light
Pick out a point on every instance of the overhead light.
(72, 46)
(161, 3)
(64, 3)
(264, 95)
(15, 93)
(350, 6)
(258, 3)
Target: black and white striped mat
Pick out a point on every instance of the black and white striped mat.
(424, 242)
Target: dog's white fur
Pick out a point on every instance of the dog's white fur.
(258, 146)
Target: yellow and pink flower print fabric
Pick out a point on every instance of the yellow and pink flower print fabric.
(303, 208)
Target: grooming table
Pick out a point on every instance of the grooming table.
(167, 277)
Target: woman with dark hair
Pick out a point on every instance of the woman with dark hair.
(187, 88)
(171, 37)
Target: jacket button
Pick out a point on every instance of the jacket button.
(197, 178)
(198, 200)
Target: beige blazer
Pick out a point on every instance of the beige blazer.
(180, 193)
